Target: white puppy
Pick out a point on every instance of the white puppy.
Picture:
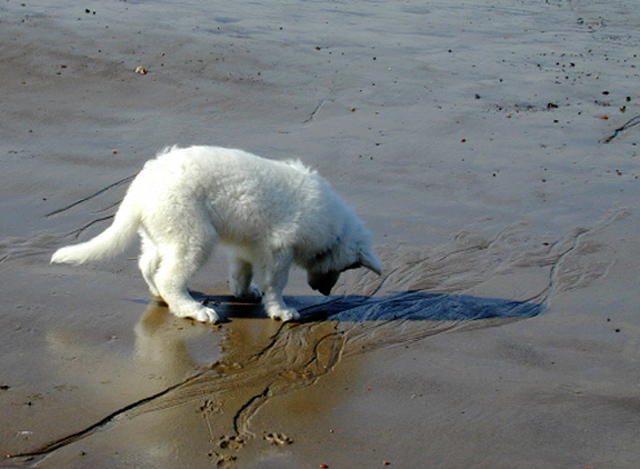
(269, 214)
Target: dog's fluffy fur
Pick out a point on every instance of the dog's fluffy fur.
(269, 214)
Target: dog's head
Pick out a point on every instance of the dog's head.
(324, 280)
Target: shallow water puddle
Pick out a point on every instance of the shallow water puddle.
(423, 292)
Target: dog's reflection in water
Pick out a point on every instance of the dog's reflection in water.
(177, 347)
(162, 344)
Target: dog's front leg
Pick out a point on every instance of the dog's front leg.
(240, 275)
(272, 279)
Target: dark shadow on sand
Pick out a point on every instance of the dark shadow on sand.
(406, 305)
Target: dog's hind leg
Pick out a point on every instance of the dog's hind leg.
(149, 262)
(240, 276)
(176, 268)
(180, 258)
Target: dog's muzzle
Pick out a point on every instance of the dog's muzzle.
(324, 283)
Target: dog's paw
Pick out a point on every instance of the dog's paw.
(284, 314)
(199, 313)
(252, 294)
(207, 315)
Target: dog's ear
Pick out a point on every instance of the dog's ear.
(369, 260)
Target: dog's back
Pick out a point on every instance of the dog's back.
(245, 196)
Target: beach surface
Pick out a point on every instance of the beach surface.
(491, 149)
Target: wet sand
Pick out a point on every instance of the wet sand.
(492, 150)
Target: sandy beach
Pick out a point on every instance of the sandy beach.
(491, 149)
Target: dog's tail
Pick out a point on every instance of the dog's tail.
(111, 242)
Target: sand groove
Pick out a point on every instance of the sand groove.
(89, 197)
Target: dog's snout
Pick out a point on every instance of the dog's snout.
(325, 282)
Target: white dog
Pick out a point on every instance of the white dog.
(269, 214)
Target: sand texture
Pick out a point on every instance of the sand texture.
(491, 147)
